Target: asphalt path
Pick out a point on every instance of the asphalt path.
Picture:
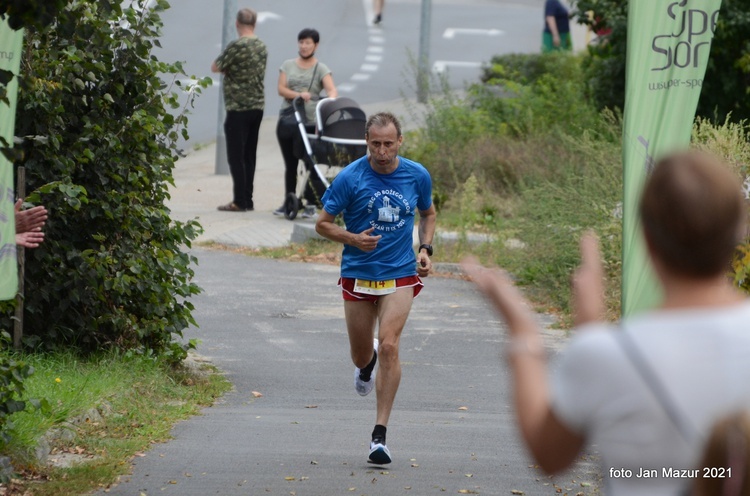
(369, 63)
(276, 328)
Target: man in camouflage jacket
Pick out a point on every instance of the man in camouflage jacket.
(243, 64)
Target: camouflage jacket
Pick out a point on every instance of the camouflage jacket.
(243, 63)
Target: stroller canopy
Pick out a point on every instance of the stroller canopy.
(341, 118)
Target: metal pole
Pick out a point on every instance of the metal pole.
(229, 33)
(423, 63)
(18, 321)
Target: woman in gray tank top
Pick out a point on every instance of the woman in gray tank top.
(305, 77)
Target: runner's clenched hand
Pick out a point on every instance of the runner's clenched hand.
(365, 241)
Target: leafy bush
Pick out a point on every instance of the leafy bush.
(99, 149)
(13, 374)
(505, 132)
(30, 13)
(727, 82)
(523, 68)
(604, 67)
(731, 142)
(536, 93)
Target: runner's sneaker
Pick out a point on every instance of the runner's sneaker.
(364, 388)
(379, 453)
(280, 211)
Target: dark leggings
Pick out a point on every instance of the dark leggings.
(292, 149)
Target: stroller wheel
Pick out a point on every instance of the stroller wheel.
(292, 205)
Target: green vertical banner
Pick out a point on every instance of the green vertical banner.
(10, 60)
(669, 42)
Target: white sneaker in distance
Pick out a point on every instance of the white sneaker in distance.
(379, 453)
(364, 388)
(309, 212)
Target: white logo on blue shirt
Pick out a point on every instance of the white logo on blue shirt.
(390, 217)
(387, 213)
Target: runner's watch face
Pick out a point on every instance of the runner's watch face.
(426, 247)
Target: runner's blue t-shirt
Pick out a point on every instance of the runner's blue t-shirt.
(388, 202)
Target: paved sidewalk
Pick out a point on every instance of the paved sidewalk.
(199, 190)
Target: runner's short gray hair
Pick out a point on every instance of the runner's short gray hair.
(382, 119)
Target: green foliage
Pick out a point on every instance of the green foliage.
(726, 87)
(13, 374)
(604, 68)
(537, 91)
(730, 141)
(727, 81)
(507, 160)
(526, 97)
(526, 69)
(100, 129)
(584, 192)
(138, 398)
(526, 158)
(30, 13)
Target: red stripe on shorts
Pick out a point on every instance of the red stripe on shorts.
(347, 288)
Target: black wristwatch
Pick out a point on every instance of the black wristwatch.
(426, 247)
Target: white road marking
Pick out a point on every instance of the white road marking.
(373, 57)
(268, 16)
(441, 65)
(346, 87)
(451, 33)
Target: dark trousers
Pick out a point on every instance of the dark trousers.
(241, 129)
(292, 149)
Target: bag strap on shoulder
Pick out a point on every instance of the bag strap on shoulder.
(655, 385)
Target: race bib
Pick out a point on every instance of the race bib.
(375, 287)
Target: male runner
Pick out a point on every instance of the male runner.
(379, 196)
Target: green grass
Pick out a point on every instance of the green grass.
(139, 400)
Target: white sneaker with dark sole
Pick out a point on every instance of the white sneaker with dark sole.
(365, 387)
(379, 454)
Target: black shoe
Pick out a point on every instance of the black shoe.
(377, 19)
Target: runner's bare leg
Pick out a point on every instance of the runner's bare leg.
(361, 317)
(393, 310)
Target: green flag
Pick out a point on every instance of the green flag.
(10, 59)
(668, 47)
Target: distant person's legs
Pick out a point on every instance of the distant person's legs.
(315, 188)
(285, 136)
(252, 128)
(236, 131)
(378, 7)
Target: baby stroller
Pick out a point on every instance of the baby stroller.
(336, 140)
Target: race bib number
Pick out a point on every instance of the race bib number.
(375, 287)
